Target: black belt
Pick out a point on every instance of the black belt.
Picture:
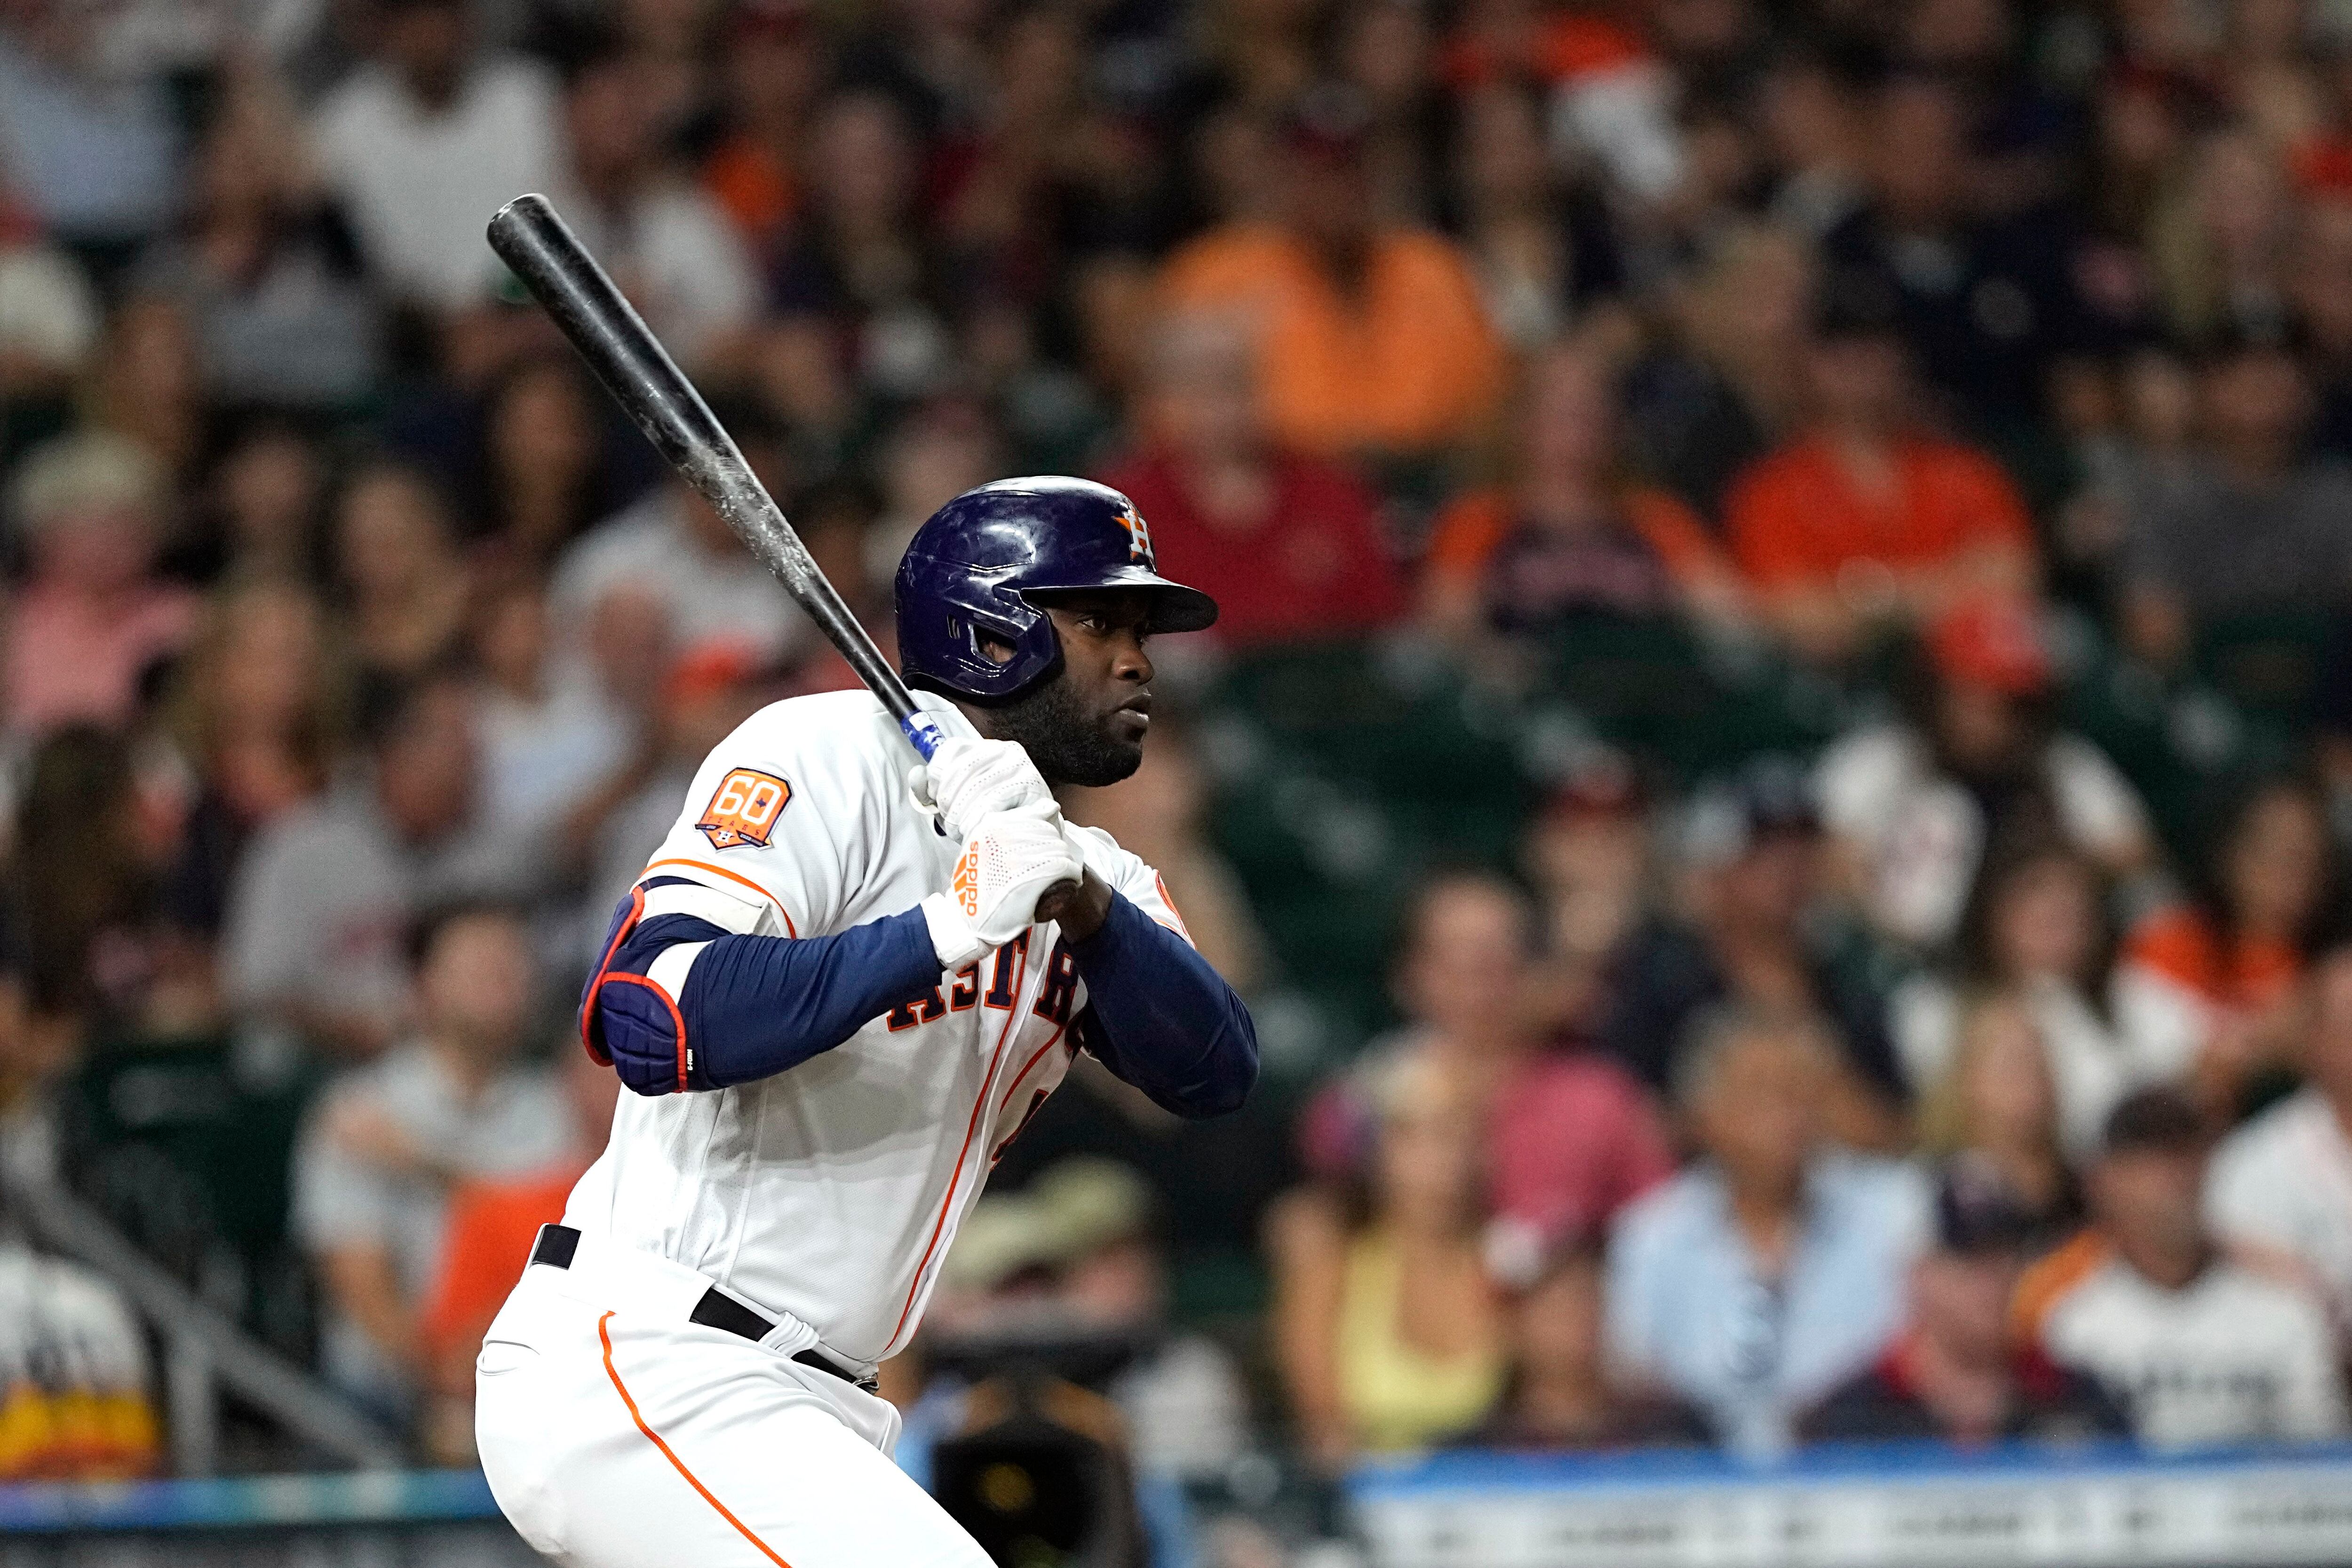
(716, 1310)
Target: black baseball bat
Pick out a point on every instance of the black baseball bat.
(542, 251)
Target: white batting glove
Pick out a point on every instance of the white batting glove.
(1008, 861)
(966, 779)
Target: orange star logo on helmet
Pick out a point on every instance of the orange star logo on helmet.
(744, 808)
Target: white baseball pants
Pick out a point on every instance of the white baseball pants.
(616, 1433)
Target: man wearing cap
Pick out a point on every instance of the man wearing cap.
(1955, 1372)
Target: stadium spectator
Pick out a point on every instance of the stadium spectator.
(1753, 933)
(1589, 852)
(93, 154)
(74, 1360)
(264, 272)
(860, 294)
(2249, 528)
(2220, 246)
(425, 141)
(1954, 1371)
(48, 325)
(493, 1219)
(2201, 1349)
(146, 383)
(381, 1151)
(1386, 1332)
(90, 842)
(1559, 1394)
(311, 948)
(92, 616)
(1760, 1279)
(397, 561)
(1545, 257)
(1566, 1140)
(1727, 384)
(1570, 536)
(2036, 931)
(1369, 337)
(2219, 971)
(2281, 1184)
(671, 547)
(267, 497)
(1290, 545)
(1986, 307)
(1073, 1257)
(703, 693)
(545, 472)
(1866, 521)
(773, 69)
(550, 734)
(1913, 806)
(684, 269)
(1996, 1105)
(260, 716)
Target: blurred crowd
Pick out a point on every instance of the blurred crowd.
(355, 652)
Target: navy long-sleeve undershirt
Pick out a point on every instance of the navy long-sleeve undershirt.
(753, 1006)
(1157, 1014)
(1160, 1017)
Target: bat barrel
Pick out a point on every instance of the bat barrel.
(535, 243)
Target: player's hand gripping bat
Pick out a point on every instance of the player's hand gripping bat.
(630, 361)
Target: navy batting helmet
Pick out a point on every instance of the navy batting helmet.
(970, 568)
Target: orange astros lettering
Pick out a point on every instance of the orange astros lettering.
(744, 809)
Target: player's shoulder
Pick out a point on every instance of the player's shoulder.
(843, 726)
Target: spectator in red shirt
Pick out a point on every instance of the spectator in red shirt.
(1866, 520)
(1289, 545)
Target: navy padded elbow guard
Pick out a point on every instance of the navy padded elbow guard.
(750, 1007)
(628, 1022)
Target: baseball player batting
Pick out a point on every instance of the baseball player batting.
(845, 981)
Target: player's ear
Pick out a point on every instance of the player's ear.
(998, 653)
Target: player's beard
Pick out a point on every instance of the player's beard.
(1068, 745)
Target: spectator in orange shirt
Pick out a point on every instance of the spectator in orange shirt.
(1290, 545)
(493, 1220)
(1867, 521)
(1571, 534)
(2222, 973)
(1369, 337)
(773, 67)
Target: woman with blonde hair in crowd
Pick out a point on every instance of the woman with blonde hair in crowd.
(2036, 931)
(1387, 1334)
(1998, 1103)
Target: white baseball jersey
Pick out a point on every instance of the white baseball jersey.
(2233, 1357)
(832, 1190)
